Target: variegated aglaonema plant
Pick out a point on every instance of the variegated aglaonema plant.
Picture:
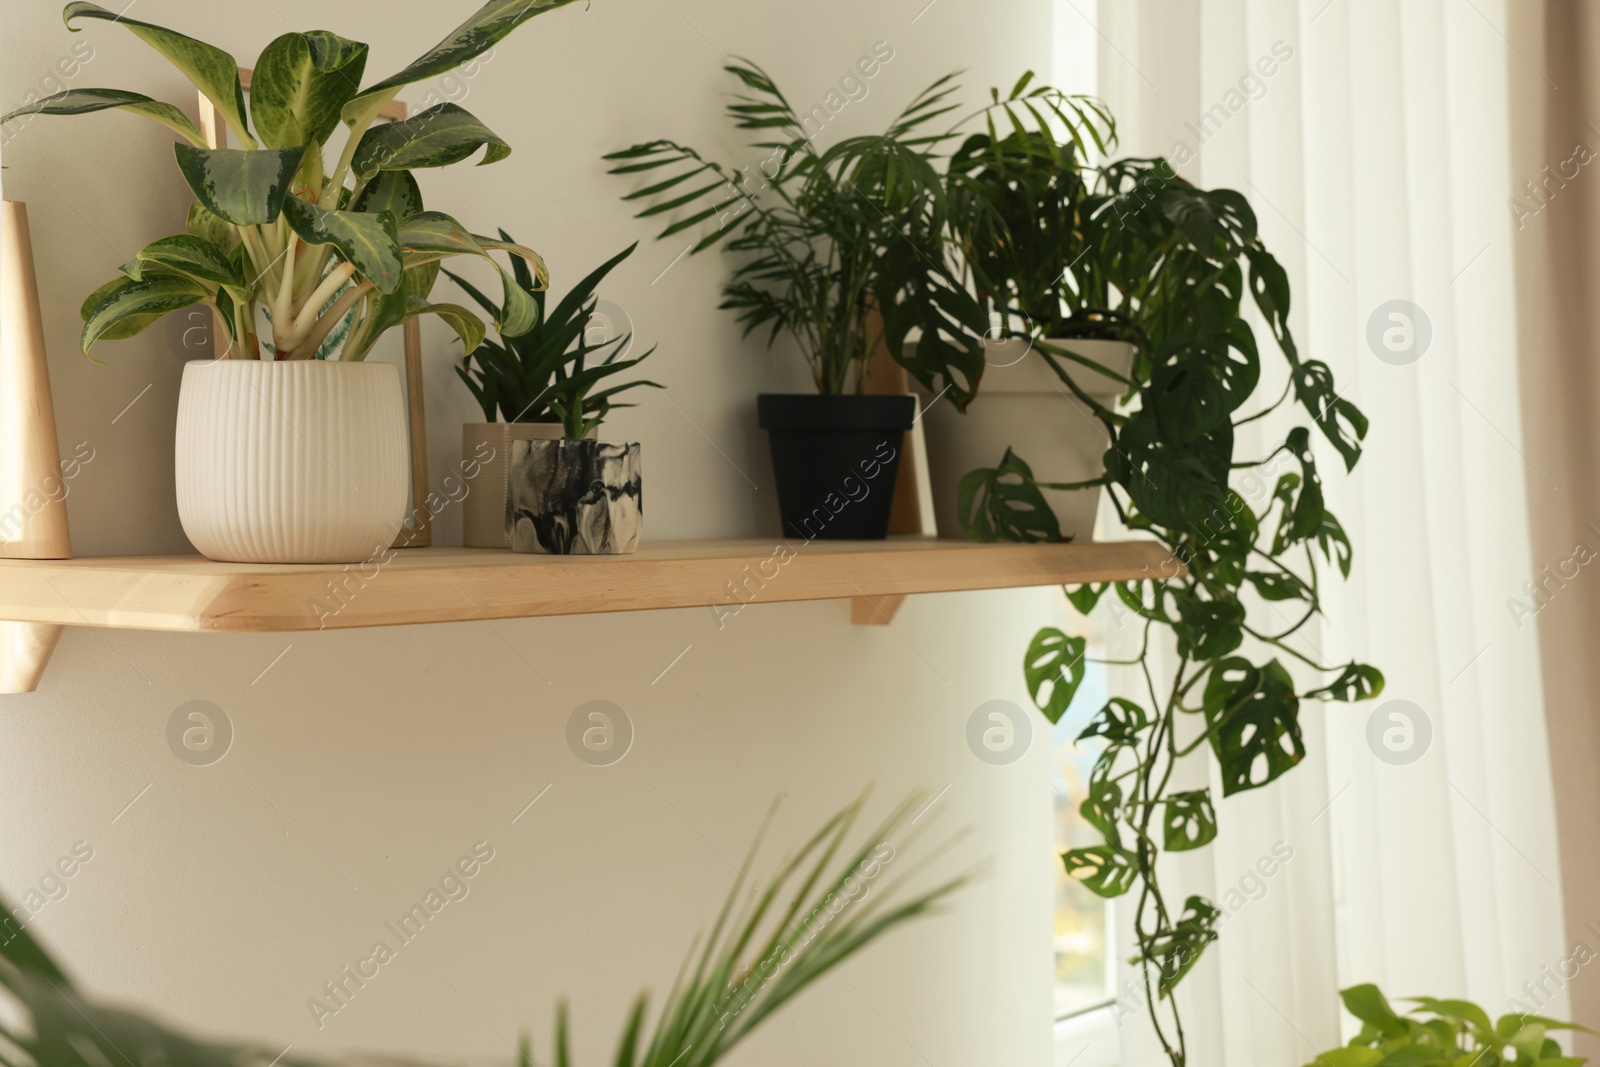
(317, 249)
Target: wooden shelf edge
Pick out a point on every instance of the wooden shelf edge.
(189, 594)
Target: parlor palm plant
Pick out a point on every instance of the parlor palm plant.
(285, 225)
(831, 254)
(812, 225)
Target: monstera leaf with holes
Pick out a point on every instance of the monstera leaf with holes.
(322, 245)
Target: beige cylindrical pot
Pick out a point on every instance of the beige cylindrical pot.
(299, 461)
(1023, 406)
(483, 515)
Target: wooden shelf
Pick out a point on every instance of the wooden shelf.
(188, 593)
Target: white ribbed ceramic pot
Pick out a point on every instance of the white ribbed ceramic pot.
(300, 461)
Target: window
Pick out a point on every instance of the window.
(1085, 965)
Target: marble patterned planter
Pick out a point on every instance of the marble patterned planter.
(483, 512)
(574, 497)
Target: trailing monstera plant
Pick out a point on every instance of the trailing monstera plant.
(1131, 251)
(319, 241)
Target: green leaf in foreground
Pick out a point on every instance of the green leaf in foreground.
(124, 307)
(245, 188)
(432, 236)
(1054, 668)
(370, 242)
(192, 256)
(214, 72)
(88, 101)
(486, 27)
(1103, 870)
(300, 85)
(437, 137)
(1005, 503)
(1253, 717)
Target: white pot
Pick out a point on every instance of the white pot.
(300, 461)
(1021, 404)
(483, 515)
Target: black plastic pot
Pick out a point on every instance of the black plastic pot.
(836, 459)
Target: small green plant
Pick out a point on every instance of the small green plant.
(1443, 1033)
(549, 373)
(318, 248)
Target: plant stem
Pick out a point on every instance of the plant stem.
(335, 281)
(324, 325)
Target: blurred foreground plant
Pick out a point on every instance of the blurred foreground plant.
(1452, 1033)
(761, 952)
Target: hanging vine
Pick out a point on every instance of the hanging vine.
(1159, 263)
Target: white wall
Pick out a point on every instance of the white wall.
(366, 762)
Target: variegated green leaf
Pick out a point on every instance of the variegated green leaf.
(394, 191)
(487, 27)
(86, 101)
(419, 281)
(368, 241)
(124, 307)
(432, 236)
(467, 326)
(194, 257)
(94, 299)
(214, 72)
(301, 83)
(437, 137)
(244, 188)
(524, 253)
(207, 226)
